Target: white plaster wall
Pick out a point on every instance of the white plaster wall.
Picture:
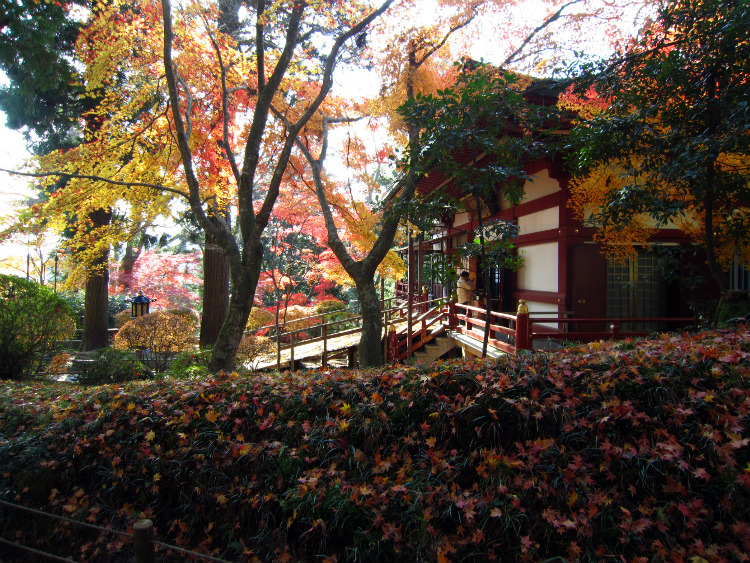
(461, 219)
(548, 308)
(539, 272)
(647, 221)
(539, 186)
(540, 221)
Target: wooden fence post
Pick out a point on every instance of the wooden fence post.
(523, 328)
(143, 536)
(392, 345)
(614, 330)
(324, 356)
(452, 318)
(291, 350)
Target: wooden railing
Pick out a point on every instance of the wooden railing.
(509, 332)
(434, 317)
(513, 332)
(324, 330)
(614, 328)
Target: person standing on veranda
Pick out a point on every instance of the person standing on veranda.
(465, 288)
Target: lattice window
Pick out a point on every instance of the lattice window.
(635, 289)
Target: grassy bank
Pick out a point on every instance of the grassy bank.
(635, 451)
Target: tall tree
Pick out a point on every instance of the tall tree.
(666, 137)
(46, 96)
(290, 26)
(414, 70)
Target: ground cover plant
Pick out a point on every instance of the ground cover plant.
(633, 451)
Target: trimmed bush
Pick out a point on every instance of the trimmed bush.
(259, 318)
(187, 313)
(32, 319)
(122, 317)
(159, 336)
(252, 348)
(114, 366)
(295, 317)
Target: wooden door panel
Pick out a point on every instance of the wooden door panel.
(589, 289)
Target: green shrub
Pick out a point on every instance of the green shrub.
(334, 310)
(190, 365)
(114, 366)
(32, 319)
(330, 306)
(159, 336)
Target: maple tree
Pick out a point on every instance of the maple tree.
(46, 96)
(245, 260)
(410, 64)
(297, 268)
(143, 148)
(170, 279)
(663, 136)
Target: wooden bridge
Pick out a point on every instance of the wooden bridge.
(425, 330)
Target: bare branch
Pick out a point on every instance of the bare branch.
(94, 178)
(225, 108)
(546, 23)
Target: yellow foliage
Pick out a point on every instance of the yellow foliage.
(161, 333)
(592, 192)
(259, 318)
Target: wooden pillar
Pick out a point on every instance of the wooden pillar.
(291, 350)
(523, 327)
(324, 355)
(143, 538)
(614, 330)
(420, 262)
(392, 345)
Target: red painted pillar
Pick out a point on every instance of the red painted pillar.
(392, 345)
(452, 319)
(523, 327)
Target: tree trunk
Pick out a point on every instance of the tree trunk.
(95, 325)
(125, 279)
(370, 352)
(215, 292)
(244, 283)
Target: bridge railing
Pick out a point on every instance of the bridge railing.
(426, 318)
(320, 328)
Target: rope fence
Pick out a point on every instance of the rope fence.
(144, 543)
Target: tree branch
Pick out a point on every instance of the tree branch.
(97, 179)
(228, 243)
(224, 109)
(546, 23)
